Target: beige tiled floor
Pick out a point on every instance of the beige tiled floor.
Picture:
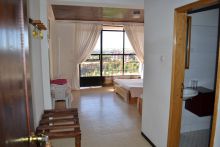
(106, 121)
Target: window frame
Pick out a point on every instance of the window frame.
(123, 54)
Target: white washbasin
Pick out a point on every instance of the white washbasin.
(189, 93)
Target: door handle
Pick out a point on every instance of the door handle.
(42, 140)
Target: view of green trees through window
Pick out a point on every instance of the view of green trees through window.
(113, 56)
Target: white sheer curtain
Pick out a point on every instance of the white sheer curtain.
(85, 38)
(72, 43)
(135, 33)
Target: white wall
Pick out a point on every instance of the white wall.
(45, 57)
(39, 79)
(202, 63)
(36, 77)
(107, 3)
(159, 16)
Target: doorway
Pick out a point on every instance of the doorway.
(199, 77)
(178, 71)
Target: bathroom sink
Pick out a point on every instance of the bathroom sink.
(189, 93)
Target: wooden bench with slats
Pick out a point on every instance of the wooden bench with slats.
(61, 124)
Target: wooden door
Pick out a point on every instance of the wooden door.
(15, 115)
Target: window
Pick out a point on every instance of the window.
(113, 55)
(112, 65)
(91, 67)
(112, 42)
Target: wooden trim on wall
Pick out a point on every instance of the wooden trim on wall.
(217, 93)
(178, 66)
(214, 121)
(197, 5)
(188, 45)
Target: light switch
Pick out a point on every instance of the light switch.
(162, 58)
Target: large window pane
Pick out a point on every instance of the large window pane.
(112, 42)
(112, 56)
(91, 67)
(128, 48)
(112, 65)
(131, 65)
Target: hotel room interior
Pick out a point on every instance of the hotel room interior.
(109, 73)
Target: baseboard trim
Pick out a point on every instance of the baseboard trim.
(151, 143)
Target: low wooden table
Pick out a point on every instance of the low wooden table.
(61, 124)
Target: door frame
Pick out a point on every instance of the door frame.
(178, 68)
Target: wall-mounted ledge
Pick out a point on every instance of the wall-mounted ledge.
(38, 24)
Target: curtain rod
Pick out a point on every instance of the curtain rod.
(105, 23)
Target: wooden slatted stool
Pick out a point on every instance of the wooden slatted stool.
(61, 124)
